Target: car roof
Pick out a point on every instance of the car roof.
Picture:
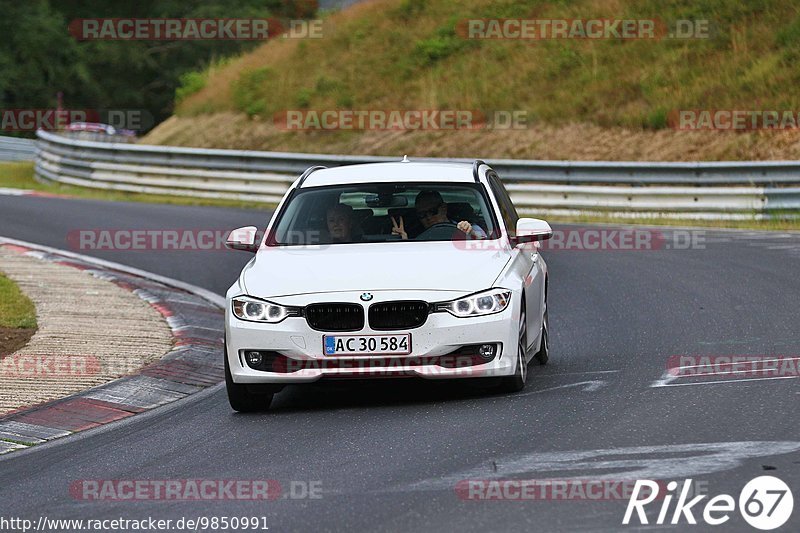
(391, 173)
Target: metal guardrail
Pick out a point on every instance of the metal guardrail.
(17, 149)
(699, 190)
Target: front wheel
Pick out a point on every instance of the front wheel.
(543, 355)
(516, 382)
(240, 398)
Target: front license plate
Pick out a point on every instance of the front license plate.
(367, 344)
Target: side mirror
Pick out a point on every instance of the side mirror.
(243, 239)
(531, 230)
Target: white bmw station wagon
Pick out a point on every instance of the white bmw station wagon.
(387, 270)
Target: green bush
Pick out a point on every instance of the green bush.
(248, 90)
(409, 9)
(444, 43)
(188, 84)
(303, 98)
(656, 119)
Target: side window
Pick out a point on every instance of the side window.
(507, 210)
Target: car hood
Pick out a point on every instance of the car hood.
(286, 271)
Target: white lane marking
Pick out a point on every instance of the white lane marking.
(14, 192)
(723, 381)
(672, 461)
(581, 373)
(664, 380)
(191, 326)
(589, 386)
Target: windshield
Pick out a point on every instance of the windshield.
(384, 213)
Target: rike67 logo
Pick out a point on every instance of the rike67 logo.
(765, 503)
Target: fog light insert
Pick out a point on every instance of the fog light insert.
(254, 359)
(486, 351)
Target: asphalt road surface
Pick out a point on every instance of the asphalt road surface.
(389, 456)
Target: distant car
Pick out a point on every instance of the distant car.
(100, 132)
(92, 127)
(384, 270)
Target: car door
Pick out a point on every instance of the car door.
(525, 260)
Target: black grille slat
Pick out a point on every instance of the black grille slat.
(398, 315)
(335, 316)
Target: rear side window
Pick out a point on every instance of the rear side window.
(507, 209)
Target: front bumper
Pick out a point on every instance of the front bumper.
(441, 334)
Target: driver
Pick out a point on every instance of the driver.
(432, 212)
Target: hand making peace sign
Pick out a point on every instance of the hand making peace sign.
(398, 229)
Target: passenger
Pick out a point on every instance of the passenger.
(432, 213)
(339, 218)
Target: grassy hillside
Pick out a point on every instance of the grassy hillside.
(584, 99)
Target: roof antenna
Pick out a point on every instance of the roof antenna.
(405, 159)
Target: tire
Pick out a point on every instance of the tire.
(543, 355)
(516, 382)
(240, 398)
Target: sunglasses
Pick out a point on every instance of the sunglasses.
(425, 213)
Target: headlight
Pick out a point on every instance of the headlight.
(483, 303)
(245, 308)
